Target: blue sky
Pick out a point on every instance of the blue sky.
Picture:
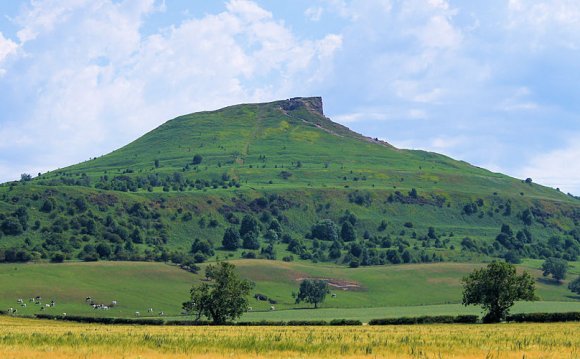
(493, 83)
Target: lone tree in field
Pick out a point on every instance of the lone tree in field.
(556, 267)
(312, 291)
(496, 288)
(222, 298)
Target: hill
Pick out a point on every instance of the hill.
(285, 182)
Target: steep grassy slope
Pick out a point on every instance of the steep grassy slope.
(287, 166)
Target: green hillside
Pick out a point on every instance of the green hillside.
(293, 186)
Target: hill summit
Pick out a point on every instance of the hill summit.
(279, 180)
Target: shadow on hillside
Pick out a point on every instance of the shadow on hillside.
(548, 281)
(575, 297)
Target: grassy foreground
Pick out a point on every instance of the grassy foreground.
(25, 338)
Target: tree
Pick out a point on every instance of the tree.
(326, 230)
(223, 297)
(312, 291)
(556, 267)
(347, 232)
(496, 288)
(196, 159)
(202, 246)
(231, 240)
(249, 224)
(574, 285)
(250, 241)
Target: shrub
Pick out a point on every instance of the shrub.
(544, 317)
(438, 319)
(345, 322)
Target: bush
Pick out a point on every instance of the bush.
(261, 323)
(544, 317)
(81, 319)
(57, 258)
(438, 319)
(345, 322)
(466, 319)
(306, 322)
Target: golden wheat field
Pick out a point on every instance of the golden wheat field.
(28, 338)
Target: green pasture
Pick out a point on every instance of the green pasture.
(369, 292)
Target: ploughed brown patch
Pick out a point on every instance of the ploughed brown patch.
(339, 284)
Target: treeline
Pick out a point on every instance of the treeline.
(513, 246)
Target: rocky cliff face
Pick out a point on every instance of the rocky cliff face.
(312, 104)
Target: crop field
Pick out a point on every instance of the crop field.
(26, 338)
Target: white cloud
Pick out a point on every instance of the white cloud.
(94, 82)
(558, 168)
(7, 48)
(438, 32)
(360, 116)
(519, 101)
(314, 13)
(557, 21)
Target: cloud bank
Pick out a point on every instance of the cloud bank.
(491, 83)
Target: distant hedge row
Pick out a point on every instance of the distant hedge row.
(81, 319)
(439, 319)
(544, 317)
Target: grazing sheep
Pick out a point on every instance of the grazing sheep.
(272, 308)
(249, 309)
(161, 314)
(333, 295)
(64, 314)
(113, 303)
(137, 314)
(150, 310)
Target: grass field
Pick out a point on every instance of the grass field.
(25, 338)
(371, 292)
